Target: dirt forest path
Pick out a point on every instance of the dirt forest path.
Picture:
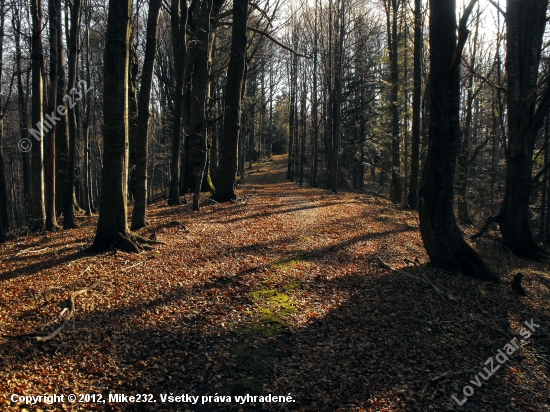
(278, 293)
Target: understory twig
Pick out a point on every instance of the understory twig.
(68, 305)
(444, 295)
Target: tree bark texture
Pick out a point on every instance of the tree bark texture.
(442, 238)
(227, 174)
(68, 221)
(525, 21)
(139, 215)
(112, 227)
(37, 152)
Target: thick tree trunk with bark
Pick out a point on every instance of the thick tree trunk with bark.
(442, 238)
(112, 226)
(195, 155)
(139, 216)
(37, 152)
(525, 20)
(227, 172)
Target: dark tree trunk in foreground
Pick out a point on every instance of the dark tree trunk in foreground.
(412, 198)
(525, 20)
(442, 238)
(112, 226)
(139, 216)
(227, 172)
(37, 56)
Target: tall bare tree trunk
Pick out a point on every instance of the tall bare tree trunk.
(442, 239)
(54, 12)
(412, 199)
(463, 161)
(337, 97)
(37, 55)
(179, 47)
(86, 124)
(139, 216)
(68, 221)
(23, 113)
(314, 106)
(195, 154)
(525, 22)
(112, 226)
(395, 184)
(4, 218)
(227, 173)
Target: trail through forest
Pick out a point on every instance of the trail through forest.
(280, 292)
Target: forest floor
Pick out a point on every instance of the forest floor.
(278, 293)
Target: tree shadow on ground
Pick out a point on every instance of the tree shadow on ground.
(378, 349)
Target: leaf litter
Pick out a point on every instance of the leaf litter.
(282, 293)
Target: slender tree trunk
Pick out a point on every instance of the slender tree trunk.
(412, 198)
(139, 216)
(442, 238)
(86, 124)
(314, 108)
(227, 173)
(62, 132)
(303, 122)
(395, 184)
(463, 161)
(54, 12)
(543, 234)
(69, 221)
(292, 112)
(37, 56)
(179, 47)
(23, 115)
(4, 217)
(337, 97)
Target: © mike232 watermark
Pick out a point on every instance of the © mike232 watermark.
(50, 120)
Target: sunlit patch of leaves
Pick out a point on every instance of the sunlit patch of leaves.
(281, 293)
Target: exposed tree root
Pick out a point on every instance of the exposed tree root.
(126, 242)
(68, 306)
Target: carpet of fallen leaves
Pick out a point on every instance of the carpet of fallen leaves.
(280, 292)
